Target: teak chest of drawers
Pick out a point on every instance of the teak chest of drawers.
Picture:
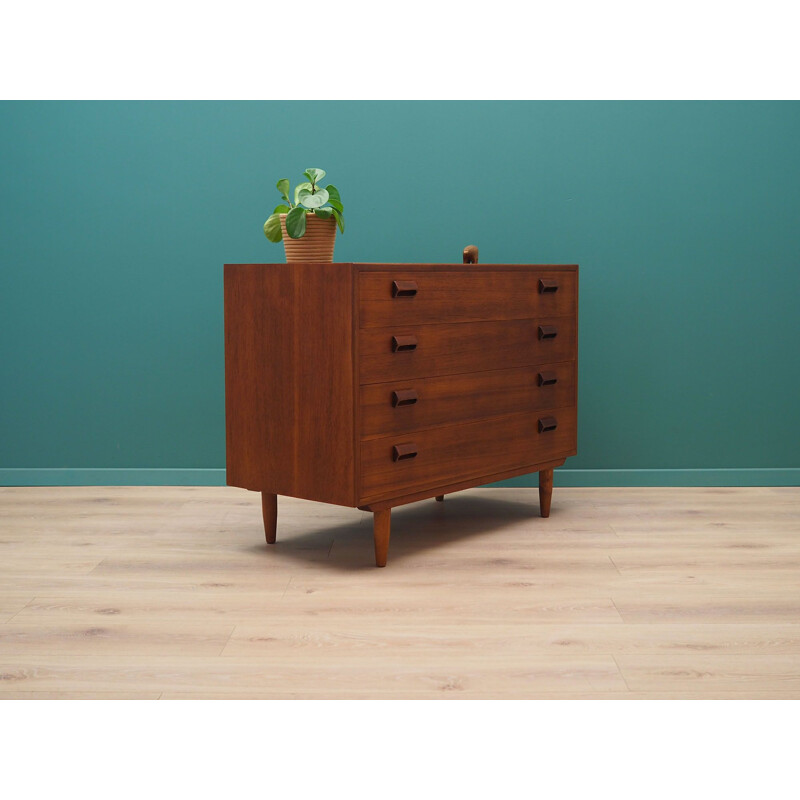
(375, 385)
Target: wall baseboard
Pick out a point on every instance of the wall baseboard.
(665, 477)
(787, 476)
(112, 477)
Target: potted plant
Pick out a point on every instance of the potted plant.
(308, 225)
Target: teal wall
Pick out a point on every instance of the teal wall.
(116, 219)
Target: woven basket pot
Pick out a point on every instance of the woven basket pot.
(317, 243)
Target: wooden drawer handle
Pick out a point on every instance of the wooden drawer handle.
(402, 452)
(403, 343)
(547, 424)
(470, 254)
(547, 287)
(404, 397)
(404, 288)
(548, 331)
(546, 378)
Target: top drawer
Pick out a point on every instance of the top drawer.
(421, 296)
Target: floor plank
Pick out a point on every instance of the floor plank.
(81, 696)
(111, 637)
(430, 674)
(395, 694)
(366, 637)
(756, 672)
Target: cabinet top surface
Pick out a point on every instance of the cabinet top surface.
(378, 266)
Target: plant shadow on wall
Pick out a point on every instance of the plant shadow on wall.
(417, 528)
(307, 224)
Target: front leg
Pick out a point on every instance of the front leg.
(269, 510)
(545, 491)
(381, 527)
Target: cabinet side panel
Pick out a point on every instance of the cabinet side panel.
(289, 380)
(259, 377)
(324, 395)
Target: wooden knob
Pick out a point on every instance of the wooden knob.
(548, 331)
(470, 254)
(547, 424)
(403, 343)
(402, 452)
(404, 288)
(404, 397)
(546, 378)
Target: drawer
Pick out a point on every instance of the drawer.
(409, 297)
(423, 351)
(403, 406)
(395, 465)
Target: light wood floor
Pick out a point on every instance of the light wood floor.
(621, 593)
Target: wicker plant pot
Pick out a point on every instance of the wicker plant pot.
(316, 245)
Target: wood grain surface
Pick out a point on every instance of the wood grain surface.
(288, 371)
(476, 293)
(449, 349)
(460, 398)
(451, 453)
(620, 594)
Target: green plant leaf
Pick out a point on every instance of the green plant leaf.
(281, 209)
(339, 219)
(316, 200)
(283, 187)
(324, 213)
(296, 223)
(314, 175)
(299, 188)
(333, 198)
(272, 228)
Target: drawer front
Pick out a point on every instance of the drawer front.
(403, 352)
(403, 406)
(404, 298)
(395, 465)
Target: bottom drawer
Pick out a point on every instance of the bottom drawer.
(396, 465)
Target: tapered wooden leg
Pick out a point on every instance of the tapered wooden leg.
(545, 491)
(269, 510)
(439, 498)
(382, 524)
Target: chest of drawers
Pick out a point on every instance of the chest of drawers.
(376, 385)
